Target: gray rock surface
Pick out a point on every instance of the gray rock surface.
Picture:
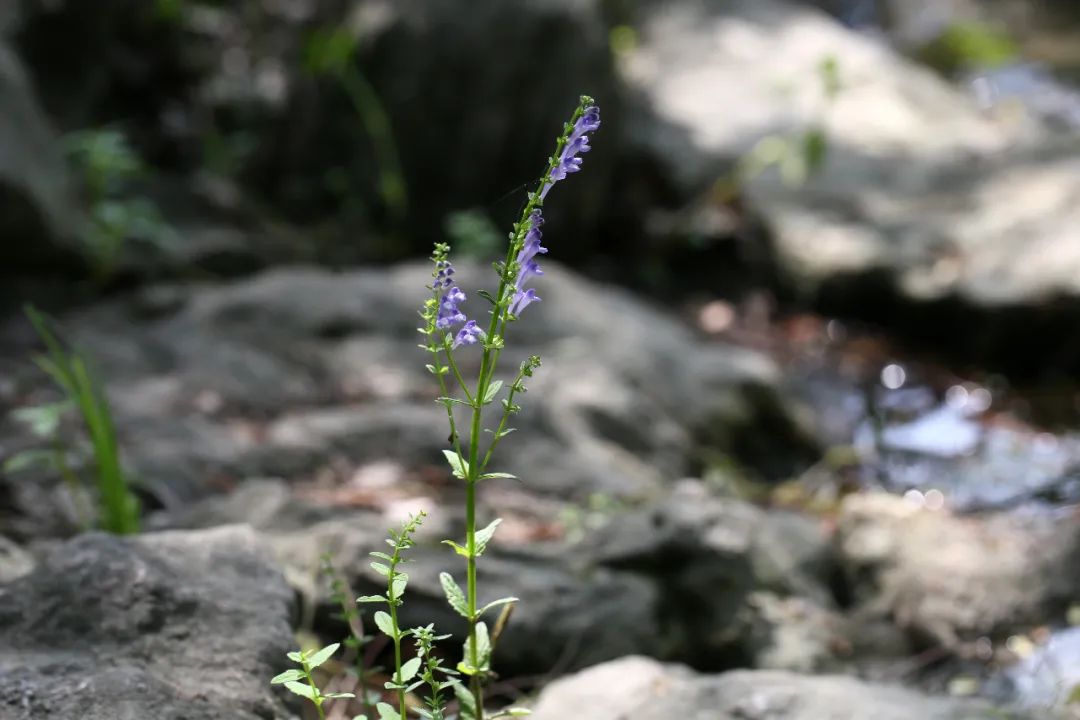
(170, 626)
(299, 371)
(644, 689)
(952, 580)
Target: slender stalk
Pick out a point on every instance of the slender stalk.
(397, 655)
(317, 702)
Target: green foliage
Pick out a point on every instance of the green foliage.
(301, 681)
(118, 508)
(108, 166)
(331, 52)
(473, 233)
(355, 643)
(968, 46)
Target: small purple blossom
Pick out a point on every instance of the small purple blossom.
(527, 265)
(469, 334)
(522, 300)
(576, 144)
(449, 313)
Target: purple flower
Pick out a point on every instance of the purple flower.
(449, 313)
(577, 142)
(527, 265)
(469, 334)
(522, 299)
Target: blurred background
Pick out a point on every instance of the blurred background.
(809, 400)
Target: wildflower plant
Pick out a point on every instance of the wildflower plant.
(447, 330)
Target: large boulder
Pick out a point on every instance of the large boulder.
(173, 625)
(646, 690)
(458, 102)
(297, 371)
(951, 580)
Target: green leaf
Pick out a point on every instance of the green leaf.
(381, 555)
(398, 586)
(495, 475)
(322, 655)
(386, 712)
(301, 689)
(496, 603)
(463, 552)
(381, 568)
(483, 648)
(815, 149)
(29, 458)
(483, 537)
(43, 420)
(454, 595)
(288, 676)
(370, 599)
(409, 670)
(384, 623)
(295, 656)
(458, 464)
(466, 702)
(492, 390)
(337, 695)
(486, 295)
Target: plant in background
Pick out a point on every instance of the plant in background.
(800, 155)
(109, 166)
(302, 680)
(117, 506)
(342, 594)
(447, 330)
(331, 52)
(473, 233)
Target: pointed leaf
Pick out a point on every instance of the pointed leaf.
(384, 623)
(287, 676)
(27, 459)
(338, 695)
(454, 595)
(409, 670)
(381, 568)
(386, 712)
(301, 689)
(496, 603)
(370, 599)
(463, 552)
(398, 586)
(466, 702)
(483, 651)
(458, 464)
(492, 390)
(322, 655)
(483, 537)
(494, 475)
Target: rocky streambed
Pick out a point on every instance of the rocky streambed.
(728, 509)
(276, 419)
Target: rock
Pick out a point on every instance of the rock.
(14, 561)
(708, 72)
(742, 586)
(296, 370)
(171, 625)
(926, 215)
(175, 74)
(951, 580)
(644, 689)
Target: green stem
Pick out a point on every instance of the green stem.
(317, 702)
(397, 653)
(376, 122)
